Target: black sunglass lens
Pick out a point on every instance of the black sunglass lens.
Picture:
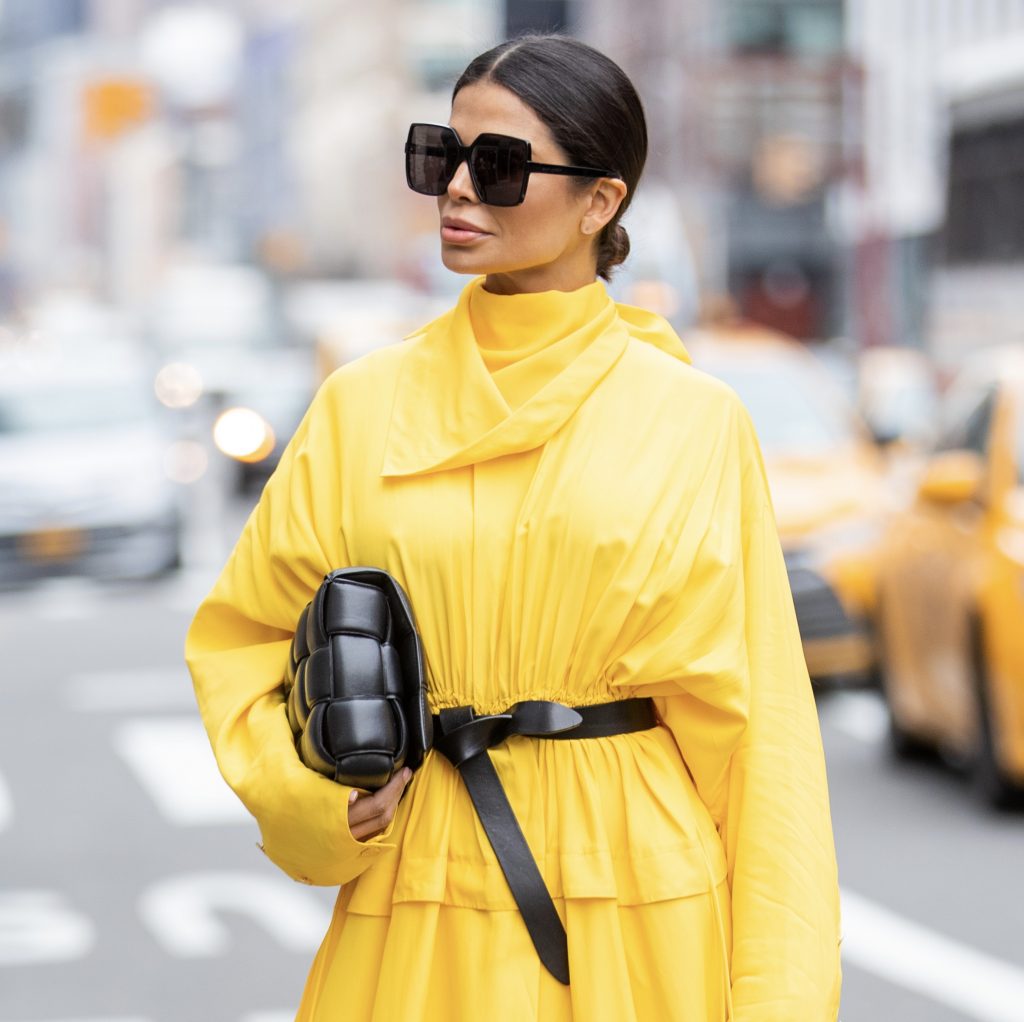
(430, 158)
(498, 167)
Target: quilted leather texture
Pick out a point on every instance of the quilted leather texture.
(355, 680)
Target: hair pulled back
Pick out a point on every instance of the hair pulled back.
(589, 105)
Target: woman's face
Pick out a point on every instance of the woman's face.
(548, 240)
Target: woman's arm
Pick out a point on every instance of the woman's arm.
(746, 725)
(237, 647)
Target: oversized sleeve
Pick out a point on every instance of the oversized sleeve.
(743, 715)
(237, 645)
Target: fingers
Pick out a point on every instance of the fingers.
(371, 813)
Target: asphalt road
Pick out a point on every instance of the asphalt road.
(131, 889)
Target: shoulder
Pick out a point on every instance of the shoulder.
(372, 369)
(662, 374)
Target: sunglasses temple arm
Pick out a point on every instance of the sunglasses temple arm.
(553, 168)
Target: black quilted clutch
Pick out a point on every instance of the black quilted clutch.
(355, 683)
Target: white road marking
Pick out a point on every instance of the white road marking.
(860, 715)
(130, 690)
(182, 912)
(132, 1018)
(944, 970)
(36, 926)
(270, 1016)
(6, 805)
(173, 761)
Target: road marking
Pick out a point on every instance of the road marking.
(270, 1016)
(944, 970)
(860, 715)
(130, 690)
(36, 926)
(132, 1018)
(173, 761)
(6, 805)
(182, 912)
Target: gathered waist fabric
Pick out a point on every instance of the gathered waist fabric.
(465, 737)
(616, 818)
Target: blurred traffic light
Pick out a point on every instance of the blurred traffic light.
(113, 105)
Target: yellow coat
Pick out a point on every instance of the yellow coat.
(581, 517)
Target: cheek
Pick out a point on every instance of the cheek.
(542, 226)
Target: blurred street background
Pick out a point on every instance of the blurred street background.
(203, 211)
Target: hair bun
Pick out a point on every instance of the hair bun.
(614, 249)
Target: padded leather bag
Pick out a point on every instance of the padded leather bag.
(355, 683)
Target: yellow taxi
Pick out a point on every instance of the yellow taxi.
(951, 585)
(827, 479)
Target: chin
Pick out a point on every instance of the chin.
(462, 261)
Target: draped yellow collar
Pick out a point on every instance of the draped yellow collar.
(450, 411)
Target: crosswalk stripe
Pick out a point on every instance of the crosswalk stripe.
(910, 955)
(172, 759)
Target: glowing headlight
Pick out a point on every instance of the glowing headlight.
(243, 434)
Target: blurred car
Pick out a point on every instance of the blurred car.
(951, 585)
(269, 395)
(83, 488)
(897, 394)
(224, 327)
(827, 481)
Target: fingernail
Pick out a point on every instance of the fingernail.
(408, 774)
(353, 796)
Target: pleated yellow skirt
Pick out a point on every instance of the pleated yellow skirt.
(661, 961)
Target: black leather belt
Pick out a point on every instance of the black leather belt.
(464, 738)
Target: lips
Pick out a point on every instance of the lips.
(461, 225)
(460, 232)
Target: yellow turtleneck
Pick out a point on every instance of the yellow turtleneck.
(525, 340)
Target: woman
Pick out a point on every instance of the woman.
(577, 515)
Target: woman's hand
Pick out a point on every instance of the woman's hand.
(370, 814)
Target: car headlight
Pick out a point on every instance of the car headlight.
(243, 434)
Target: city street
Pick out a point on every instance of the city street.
(131, 889)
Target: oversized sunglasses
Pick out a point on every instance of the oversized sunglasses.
(499, 165)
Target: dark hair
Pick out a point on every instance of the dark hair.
(588, 104)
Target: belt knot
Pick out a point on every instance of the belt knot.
(465, 734)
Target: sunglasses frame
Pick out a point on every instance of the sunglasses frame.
(465, 153)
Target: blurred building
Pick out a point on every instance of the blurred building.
(928, 64)
(749, 104)
(361, 73)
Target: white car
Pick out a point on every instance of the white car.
(83, 484)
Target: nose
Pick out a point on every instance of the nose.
(460, 188)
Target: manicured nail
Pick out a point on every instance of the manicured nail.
(408, 774)
(353, 796)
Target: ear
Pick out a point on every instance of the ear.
(605, 199)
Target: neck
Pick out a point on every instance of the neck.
(562, 275)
